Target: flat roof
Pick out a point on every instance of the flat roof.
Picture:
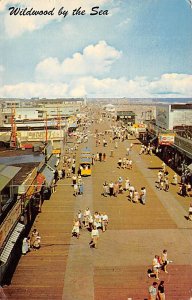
(181, 106)
(12, 157)
(26, 169)
(7, 173)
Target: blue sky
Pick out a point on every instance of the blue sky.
(141, 49)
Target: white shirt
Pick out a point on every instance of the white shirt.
(105, 217)
(94, 232)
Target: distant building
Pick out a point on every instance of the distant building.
(128, 117)
(173, 115)
(109, 108)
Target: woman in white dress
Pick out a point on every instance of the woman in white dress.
(26, 245)
(127, 184)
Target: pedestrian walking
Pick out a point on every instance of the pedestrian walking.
(75, 230)
(81, 188)
(130, 164)
(79, 217)
(111, 186)
(136, 196)
(86, 215)
(63, 173)
(97, 156)
(60, 174)
(119, 162)
(131, 193)
(100, 156)
(166, 182)
(116, 189)
(163, 167)
(127, 184)
(104, 221)
(105, 189)
(174, 180)
(94, 238)
(75, 189)
(161, 186)
(159, 178)
(74, 179)
(143, 195)
(161, 291)
(56, 175)
(165, 261)
(156, 266)
(73, 168)
(190, 212)
(34, 234)
(183, 190)
(153, 291)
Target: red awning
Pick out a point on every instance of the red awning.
(40, 180)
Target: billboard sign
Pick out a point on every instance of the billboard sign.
(166, 138)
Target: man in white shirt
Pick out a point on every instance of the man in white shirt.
(86, 217)
(104, 221)
(94, 237)
(153, 291)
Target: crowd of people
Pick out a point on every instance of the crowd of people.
(92, 222)
(157, 291)
(121, 186)
(125, 163)
(160, 262)
(146, 149)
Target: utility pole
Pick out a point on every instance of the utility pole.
(13, 138)
(46, 129)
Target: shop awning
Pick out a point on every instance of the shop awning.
(53, 162)
(40, 180)
(10, 243)
(48, 174)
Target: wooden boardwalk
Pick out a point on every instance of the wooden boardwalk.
(66, 268)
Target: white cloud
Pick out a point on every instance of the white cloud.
(94, 60)
(31, 89)
(169, 85)
(172, 84)
(17, 25)
(124, 23)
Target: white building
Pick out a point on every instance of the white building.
(172, 115)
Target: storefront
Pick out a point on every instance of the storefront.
(7, 175)
(10, 239)
(175, 151)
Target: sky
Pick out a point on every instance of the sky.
(133, 48)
